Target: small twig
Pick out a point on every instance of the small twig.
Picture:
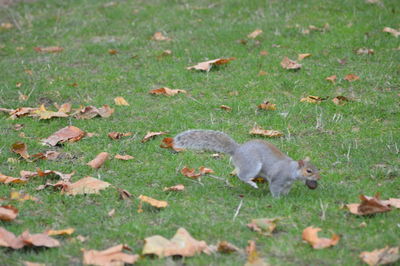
(323, 209)
(190, 97)
(238, 209)
(348, 153)
(222, 179)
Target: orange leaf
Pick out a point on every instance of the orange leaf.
(203, 170)
(110, 256)
(256, 130)
(123, 157)
(166, 91)
(8, 179)
(382, 256)
(50, 49)
(153, 202)
(120, 101)
(351, 77)
(67, 231)
(100, 159)
(226, 108)
(118, 135)
(179, 187)
(227, 248)
(168, 143)
(368, 206)
(207, 65)
(267, 106)
(21, 149)
(112, 51)
(8, 213)
(303, 56)
(290, 64)
(150, 135)
(331, 78)
(90, 111)
(254, 34)
(86, 185)
(70, 133)
(310, 234)
(190, 172)
(264, 226)
(8, 239)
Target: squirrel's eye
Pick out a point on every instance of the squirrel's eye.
(309, 171)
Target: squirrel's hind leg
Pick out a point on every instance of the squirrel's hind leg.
(248, 172)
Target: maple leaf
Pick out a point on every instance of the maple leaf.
(256, 130)
(110, 256)
(264, 226)
(331, 78)
(392, 31)
(179, 187)
(50, 49)
(312, 99)
(266, 105)
(351, 77)
(120, 101)
(99, 160)
(69, 133)
(386, 255)
(86, 185)
(254, 34)
(8, 213)
(182, 244)
(151, 135)
(158, 36)
(123, 157)
(303, 56)
(368, 206)
(207, 65)
(166, 91)
(310, 235)
(21, 149)
(290, 64)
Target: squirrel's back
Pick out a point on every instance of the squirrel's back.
(205, 140)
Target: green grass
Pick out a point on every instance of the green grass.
(346, 150)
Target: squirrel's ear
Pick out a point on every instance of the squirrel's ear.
(301, 163)
(307, 159)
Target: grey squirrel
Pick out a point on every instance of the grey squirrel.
(255, 158)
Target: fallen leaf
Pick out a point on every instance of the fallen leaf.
(8, 179)
(50, 49)
(69, 133)
(264, 226)
(392, 31)
(29, 263)
(387, 255)
(51, 155)
(312, 99)
(21, 149)
(207, 65)
(64, 108)
(179, 187)
(22, 111)
(8, 239)
(118, 135)
(124, 194)
(123, 157)
(182, 244)
(392, 202)
(38, 172)
(365, 51)
(111, 213)
(310, 235)
(368, 206)
(253, 259)
(165, 53)
(190, 172)
(18, 127)
(256, 130)
(45, 114)
(264, 53)
(112, 51)
(86, 185)
(110, 256)
(150, 135)
(168, 143)
(331, 78)
(120, 101)
(89, 112)
(6, 25)
(290, 64)
(254, 34)
(303, 56)
(100, 159)
(340, 100)
(203, 170)
(266, 105)
(153, 202)
(15, 195)
(227, 248)
(158, 36)
(67, 231)
(262, 73)
(351, 77)
(166, 91)
(226, 108)
(8, 213)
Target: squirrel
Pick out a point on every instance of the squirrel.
(255, 158)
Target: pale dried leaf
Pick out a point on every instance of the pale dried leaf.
(111, 256)
(340, 100)
(118, 135)
(310, 235)
(150, 135)
(368, 206)
(43, 113)
(256, 130)
(153, 202)
(120, 101)
(8, 213)
(50, 49)
(158, 36)
(253, 259)
(166, 91)
(303, 56)
(290, 64)
(206, 66)
(264, 226)
(226, 108)
(204, 170)
(331, 78)
(67, 231)
(387, 255)
(392, 31)
(125, 157)
(21, 149)
(312, 99)
(254, 34)
(351, 77)
(179, 187)
(86, 185)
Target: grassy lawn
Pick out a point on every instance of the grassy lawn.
(356, 145)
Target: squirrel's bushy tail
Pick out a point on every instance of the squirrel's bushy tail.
(205, 140)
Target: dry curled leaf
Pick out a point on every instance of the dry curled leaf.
(182, 244)
(179, 187)
(227, 248)
(120, 101)
(207, 65)
(110, 256)
(64, 108)
(125, 157)
(50, 49)
(368, 206)
(112, 51)
(256, 130)
(351, 77)
(43, 113)
(310, 235)
(100, 159)
(204, 170)
(290, 64)
(153, 202)
(266, 105)
(190, 172)
(312, 99)
(303, 56)
(158, 36)
(340, 100)
(86, 185)
(264, 226)
(150, 135)
(8, 213)
(118, 135)
(387, 255)
(21, 149)
(226, 108)
(124, 194)
(166, 91)
(12, 180)
(331, 78)
(89, 112)
(40, 173)
(254, 34)
(392, 31)
(67, 231)
(69, 133)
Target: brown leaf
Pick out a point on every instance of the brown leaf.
(153, 202)
(124, 194)
(110, 256)
(150, 135)
(253, 259)
(340, 100)
(45, 114)
(303, 56)
(290, 64)
(227, 248)
(254, 34)
(386, 255)
(30, 174)
(51, 155)
(262, 73)
(8, 213)
(90, 111)
(64, 108)
(69, 133)
(22, 97)
(120, 101)
(368, 206)
(86, 185)
(158, 36)
(8, 239)
(165, 53)
(100, 159)
(392, 31)
(266, 105)
(365, 51)
(38, 240)
(207, 65)
(331, 78)
(203, 170)
(123, 157)
(118, 135)
(8, 179)
(166, 91)
(256, 130)
(351, 77)
(21, 149)
(264, 226)
(190, 172)
(179, 187)
(226, 108)
(23, 111)
(50, 49)
(168, 143)
(312, 99)
(310, 234)
(112, 51)
(67, 231)
(182, 244)
(392, 202)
